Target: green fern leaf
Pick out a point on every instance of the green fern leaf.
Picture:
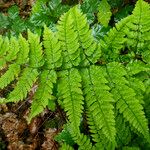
(126, 101)
(65, 146)
(1, 42)
(35, 54)
(130, 148)
(114, 41)
(123, 135)
(43, 94)
(24, 85)
(138, 29)
(98, 100)
(89, 49)
(94, 129)
(69, 91)
(23, 53)
(136, 67)
(12, 53)
(66, 65)
(52, 49)
(69, 41)
(65, 136)
(9, 75)
(104, 13)
(139, 88)
(146, 56)
(4, 48)
(82, 140)
(97, 135)
(2, 100)
(84, 143)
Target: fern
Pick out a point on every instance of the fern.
(22, 56)
(91, 80)
(24, 85)
(89, 50)
(7, 54)
(66, 147)
(104, 13)
(123, 136)
(12, 54)
(82, 140)
(98, 100)
(10, 75)
(138, 28)
(126, 101)
(52, 50)
(35, 53)
(114, 41)
(69, 41)
(69, 91)
(44, 93)
(4, 46)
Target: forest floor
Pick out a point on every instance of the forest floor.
(17, 134)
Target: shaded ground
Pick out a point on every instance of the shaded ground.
(15, 133)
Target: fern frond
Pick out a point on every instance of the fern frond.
(44, 93)
(36, 53)
(147, 99)
(69, 41)
(9, 75)
(97, 135)
(114, 41)
(94, 129)
(89, 49)
(65, 146)
(126, 101)
(82, 140)
(4, 48)
(104, 13)
(146, 56)
(52, 49)
(18, 50)
(130, 148)
(136, 67)
(138, 29)
(23, 54)
(133, 70)
(2, 100)
(98, 100)
(123, 135)
(84, 143)
(1, 42)
(139, 88)
(69, 91)
(14, 49)
(66, 65)
(24, 84)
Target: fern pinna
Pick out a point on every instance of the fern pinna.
(110, 94)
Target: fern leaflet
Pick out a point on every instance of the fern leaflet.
(69, 91)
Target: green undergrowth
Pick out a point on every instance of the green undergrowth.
(16, 20)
